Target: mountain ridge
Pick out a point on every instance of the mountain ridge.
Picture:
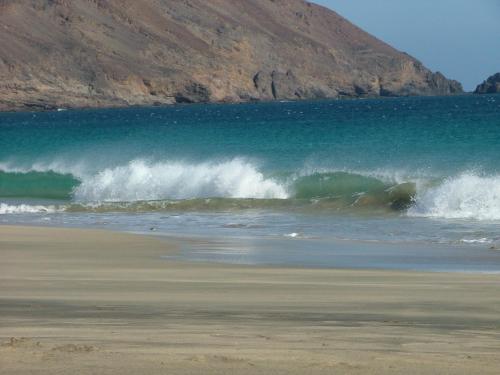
(95, 53)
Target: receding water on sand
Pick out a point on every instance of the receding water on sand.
(347, 254)
(302, 240)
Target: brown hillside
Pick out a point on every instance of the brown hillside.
(92, 53)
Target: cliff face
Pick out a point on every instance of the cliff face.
(91, 53)
(490, 86)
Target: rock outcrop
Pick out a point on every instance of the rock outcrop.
(89, 53)
(490, 86)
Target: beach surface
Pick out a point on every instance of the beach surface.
(95, 302)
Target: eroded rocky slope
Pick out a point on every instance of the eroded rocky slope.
(490, 86)
(94, 53)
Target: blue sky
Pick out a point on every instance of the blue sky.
(460, 38)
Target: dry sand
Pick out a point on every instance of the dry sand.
(93, 302)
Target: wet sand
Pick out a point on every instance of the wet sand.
(95, 302)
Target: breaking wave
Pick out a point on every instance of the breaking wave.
(467, 196)
(239, 184)
(142, 181)
(144, 184)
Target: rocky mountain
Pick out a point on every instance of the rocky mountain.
(95, 53)
(490, 86)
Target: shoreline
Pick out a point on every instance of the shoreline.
(104, 302)
(335, 254)
(340, 254)
(50, 108)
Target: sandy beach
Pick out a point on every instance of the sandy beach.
(95, 302)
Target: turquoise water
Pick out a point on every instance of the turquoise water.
(404, 170)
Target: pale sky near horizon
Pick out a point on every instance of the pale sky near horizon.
(460, 38)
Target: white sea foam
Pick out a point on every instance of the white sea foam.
(26, 208)
(141, 180)
(467, 196)
(483, 240)
(77, 169)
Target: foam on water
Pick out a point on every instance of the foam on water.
(141, 181)
(77, 169)
(467, 196)
(26, 208)
(237, 178)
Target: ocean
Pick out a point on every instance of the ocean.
(404, 183)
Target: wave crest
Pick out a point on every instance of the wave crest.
(468, 196)
(238, 183)
(143, 181)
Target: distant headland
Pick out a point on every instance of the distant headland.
(76, 54)
(490, 86)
